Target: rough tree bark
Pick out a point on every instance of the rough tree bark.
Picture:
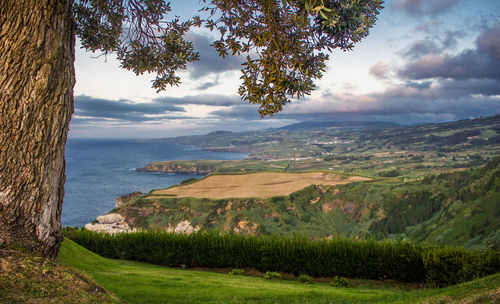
(36, 103)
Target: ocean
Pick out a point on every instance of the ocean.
(99, 170)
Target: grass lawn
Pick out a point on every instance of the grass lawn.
(144, 283)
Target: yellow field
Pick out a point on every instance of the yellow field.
(264, 184)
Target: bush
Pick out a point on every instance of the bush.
(304, 278)
(270, 275)
(236, 271)
(448, 266)
(390, 173)
(189, 181)
(340, 282)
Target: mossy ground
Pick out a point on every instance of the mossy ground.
(25, 278)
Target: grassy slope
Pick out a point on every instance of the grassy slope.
(144, 283)
(471, 218)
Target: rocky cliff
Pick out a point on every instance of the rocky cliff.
(109, 223)
(126, 198)
(167, 167)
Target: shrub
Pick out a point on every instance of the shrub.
(340, 282)
(304, 278)
(390, 173)
(189, 181)
(236, 271)
(448, 266)
(270, 275)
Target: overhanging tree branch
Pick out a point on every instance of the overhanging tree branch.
(286, 41)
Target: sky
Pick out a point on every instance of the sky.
(424, 61)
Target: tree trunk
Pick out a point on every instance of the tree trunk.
(36, 103)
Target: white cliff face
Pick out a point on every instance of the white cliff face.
(111, 218)
(183, 227)
(110, 223)
(115, 223)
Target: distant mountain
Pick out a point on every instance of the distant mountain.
(219, 133)
(308, 125)
(318, 139)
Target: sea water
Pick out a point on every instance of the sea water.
(99, 170)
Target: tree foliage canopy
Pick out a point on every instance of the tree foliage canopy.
(286, 41)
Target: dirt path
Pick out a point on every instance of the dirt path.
(265, 184)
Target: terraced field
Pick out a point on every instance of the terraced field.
(262, 184)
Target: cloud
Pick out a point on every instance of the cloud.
(429, 26)
(409, 101)
(434, 43)
(424, 7)
(97, 110)
(406, 103)
(209, 84)
(489, 42)
(481, 62)
(380, 70)
(203, 99)
(93, 109)
(419, 48)
(449, 39)
(432, 84)
(210, 61)
(244, 111)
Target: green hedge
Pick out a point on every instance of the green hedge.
(404, 261)
(447, 266)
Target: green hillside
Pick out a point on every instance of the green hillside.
(456, 208)
(136, 282)
(82, 276)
